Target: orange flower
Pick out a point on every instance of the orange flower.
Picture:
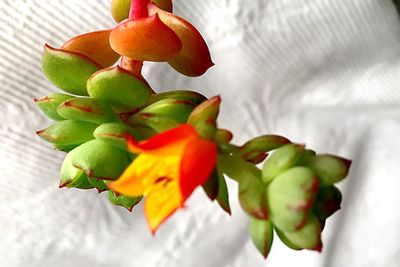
(170, 166)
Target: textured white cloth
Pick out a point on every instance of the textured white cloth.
(321, 72)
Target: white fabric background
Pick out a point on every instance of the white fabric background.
(325, 73)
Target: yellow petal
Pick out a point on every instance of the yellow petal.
(161, 202)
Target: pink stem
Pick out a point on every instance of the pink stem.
(139, 9)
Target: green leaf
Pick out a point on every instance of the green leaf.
(261, 232)
(124, 201)
(68, 132)
(68, 71)
(260, 145)
(119, 88)
(330, 169)
(71, 177)
(291, 197)
(281, 160)
(49, 104)
(100, 160)
(185, 95)
(86, 109)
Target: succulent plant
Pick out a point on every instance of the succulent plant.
(122, 137)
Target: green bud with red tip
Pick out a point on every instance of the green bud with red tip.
(255, 149)
(330, 169)
(68, 70)
(50, 103)
(98, 159)
(86, 109)
(123, 201)
(281, 160)
(119, 88)
(291, 197)
(174, 109)
(204, 117)
(262, 233)
(68, 132)
(223, 136)
(115, 134)
(185, 95)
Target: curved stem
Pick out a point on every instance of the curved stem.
(132, 65)
(139, 9)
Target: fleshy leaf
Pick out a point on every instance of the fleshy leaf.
(94, 45)
(49, 104)
(100, 160)
(86, 109)
(281, 160)
(211, 187)
(68, 70)
(291, 197)
(99, 184)
(115, 134)
(71, 176)
(68, 132)
(328, 202)
(146, 39)
(123, 201)
(308, 237)
(223, 194)
(223, 136)
(330, 169)
(261, 233)
(194, 58)
(251, 189)
(121, 89)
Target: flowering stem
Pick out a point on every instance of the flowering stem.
(139, 9)
(132, 65)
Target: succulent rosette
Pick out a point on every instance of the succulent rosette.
(122, 137)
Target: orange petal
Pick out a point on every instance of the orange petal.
(179, 135)
(198, 161)
(147, 39)
(94, 45)
(194, 59)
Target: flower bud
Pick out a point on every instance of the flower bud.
(123, 201)
(194, 58)
(328, 202)
(223, 136)
(308, 237)
(291, 197)
(100, 160)
(330, 169)
(145, 39)
(261, 233)
(281, 160)
(204, 117)
(68, 132)
(255, 149)
(115, 134)
(186, 95)
(68, 70)
(174, 109)
(86, 109)
(49, 104)
(119, 88)
(94, 45)
(120, 9)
